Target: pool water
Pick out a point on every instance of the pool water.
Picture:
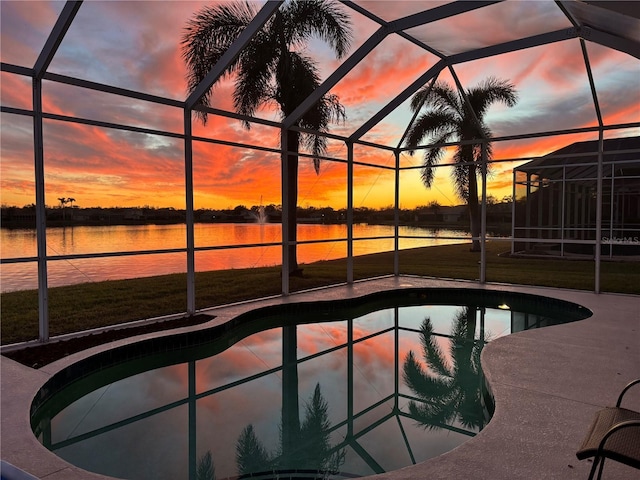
(310, 390)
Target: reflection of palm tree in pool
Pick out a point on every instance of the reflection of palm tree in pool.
(206, 469)
(448, 392)
(312, 453)
(251, 456)
(315, 446)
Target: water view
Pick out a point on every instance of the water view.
(353, 389)
(82, 240)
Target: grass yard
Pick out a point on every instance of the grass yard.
(91, 305)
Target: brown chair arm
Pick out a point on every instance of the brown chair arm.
(624, 390)
(614, 429)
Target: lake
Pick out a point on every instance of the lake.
(79, 240)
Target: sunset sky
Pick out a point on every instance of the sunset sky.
(136, 45)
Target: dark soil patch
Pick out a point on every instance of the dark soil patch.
(40, 355)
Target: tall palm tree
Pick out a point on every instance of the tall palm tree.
(448, 391)
(448, 117)
(272, 69)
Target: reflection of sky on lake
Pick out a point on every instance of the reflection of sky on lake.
(157, 445)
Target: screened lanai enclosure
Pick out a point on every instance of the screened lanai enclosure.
(559, 198)
(96, 110)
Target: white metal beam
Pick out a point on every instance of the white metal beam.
(42, 63)
(373, 41)
(189, 221)
(350, 275)
(55, 37)
(422, 18)
(101, 87)
(396, 102)
(514, 45)
(286, 214)
(438, 13)
(620, 44)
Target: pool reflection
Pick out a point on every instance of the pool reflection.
(448, 391)
(362, 428)
(346, 398)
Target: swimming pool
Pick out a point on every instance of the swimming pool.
(304, 390)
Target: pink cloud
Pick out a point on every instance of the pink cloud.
(25, 28)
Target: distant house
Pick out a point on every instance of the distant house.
(453, 214)
(14, 216)
(81, 216)
(556, 206)
(445, 214)
(133, 214)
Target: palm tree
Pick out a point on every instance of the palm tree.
(448, 392)
(449, 117)
(272, 70)
(63, 202)
(71, 200)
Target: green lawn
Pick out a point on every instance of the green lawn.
(91, 305)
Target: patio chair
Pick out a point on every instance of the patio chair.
(615, 434)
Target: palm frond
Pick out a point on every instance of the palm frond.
(313, 449)
(327, 110)
(431, 158)
(433, 415)
(419, 98)
(432, 352)
(460, 328)
(471, 414)
(463, 344)
(444, 97)
(486, 133)
(206, 37)
(420, 382)
(491, 91)
(433, 123)
(324, 19)
(254, 83)
(443, 104)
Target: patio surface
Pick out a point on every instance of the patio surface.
(547, 384)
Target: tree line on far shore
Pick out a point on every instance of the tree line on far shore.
(498, 211)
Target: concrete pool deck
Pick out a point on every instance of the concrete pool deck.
(547, 384)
